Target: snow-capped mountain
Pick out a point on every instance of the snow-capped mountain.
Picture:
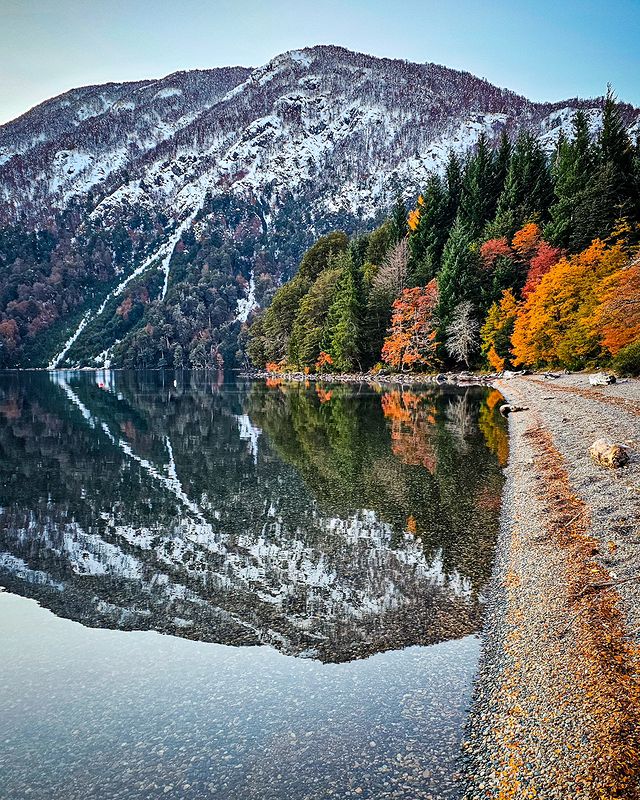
(317, 138)
(323, 115)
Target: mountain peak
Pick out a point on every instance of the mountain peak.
(318, 138)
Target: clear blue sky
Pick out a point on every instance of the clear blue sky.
(546, 50)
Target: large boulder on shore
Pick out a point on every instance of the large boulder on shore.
(607, 454)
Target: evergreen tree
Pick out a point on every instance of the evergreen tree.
(427, 241)
(527, 191)
(458, 279)
(501, 167)
(477, 204)
(571, 170)
(612, 192)
(341, 338)
(453, 183)
(399, 219)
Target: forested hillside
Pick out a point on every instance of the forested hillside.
(143, 224)
(511, 258)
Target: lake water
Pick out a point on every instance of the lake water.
(220, 589)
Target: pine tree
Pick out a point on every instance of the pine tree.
(427, 241)
(477, 204)
(399, 219)
(458, 279)
(527, 191)
(571, 170)
(501, 167)
(341, 336)
(453, 184)
(612, 192)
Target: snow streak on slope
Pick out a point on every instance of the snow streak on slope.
(169, 481)
(165, 252)
(247, 304)
(70, 341)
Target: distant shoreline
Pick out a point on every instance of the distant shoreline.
(396, 378)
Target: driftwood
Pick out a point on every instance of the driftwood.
(607, 454)
(507, 408)
(508, 373)
(601, 379)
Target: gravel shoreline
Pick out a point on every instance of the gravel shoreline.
(556, 712)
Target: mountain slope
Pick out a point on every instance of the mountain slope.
(204, 184)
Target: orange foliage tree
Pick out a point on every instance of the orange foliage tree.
(617, 316)
(324, 361)
(411, 340)
(555, 324)
(525, 241)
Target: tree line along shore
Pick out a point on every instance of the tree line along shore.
(510, 259)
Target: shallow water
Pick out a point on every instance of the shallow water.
(316, 554)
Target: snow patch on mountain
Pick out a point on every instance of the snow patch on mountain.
(247, 304)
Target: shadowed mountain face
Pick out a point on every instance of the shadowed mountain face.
(331, 523)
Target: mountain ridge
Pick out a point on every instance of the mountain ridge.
(258, 161)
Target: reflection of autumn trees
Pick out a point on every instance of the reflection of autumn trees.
(419, 459)
(412, 417)
(493, 427)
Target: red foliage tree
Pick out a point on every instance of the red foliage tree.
(411, 340)
(545, 257)
(493, 249)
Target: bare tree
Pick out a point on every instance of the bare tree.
(391, 278)
(463, 333)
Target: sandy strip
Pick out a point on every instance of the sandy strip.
(557, 706)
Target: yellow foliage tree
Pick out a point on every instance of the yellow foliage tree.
(497, 330)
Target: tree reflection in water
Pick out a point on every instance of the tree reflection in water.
(331, 522)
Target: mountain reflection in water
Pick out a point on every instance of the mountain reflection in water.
(331, 522)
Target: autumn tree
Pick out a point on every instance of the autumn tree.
(411, 341)
(387, 283)
(497, 331)
(555, 326)
(617, 316)
(544, 258)
(391, 277)
(492, 250)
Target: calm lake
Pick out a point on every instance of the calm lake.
(221, 589)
